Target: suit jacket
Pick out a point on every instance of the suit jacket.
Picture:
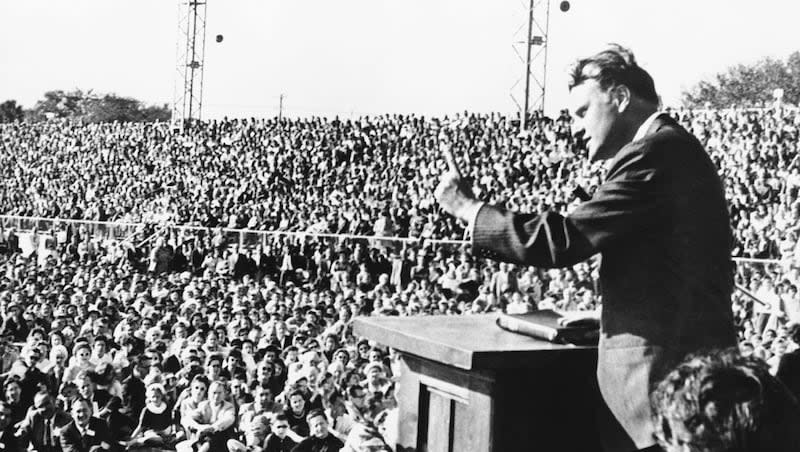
(54, 381)
(42, 437)
(100, 398)
(72, 440)
(661, 225)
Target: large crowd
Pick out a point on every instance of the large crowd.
(196, 340)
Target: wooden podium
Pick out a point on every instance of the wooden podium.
(467, 385)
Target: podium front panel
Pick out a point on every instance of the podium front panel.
(536, 397)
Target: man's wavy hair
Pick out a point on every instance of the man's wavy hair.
(615, 66)
(725, 402)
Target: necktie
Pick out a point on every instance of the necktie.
(48, 433)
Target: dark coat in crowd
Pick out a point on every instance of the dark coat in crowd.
(95, 435)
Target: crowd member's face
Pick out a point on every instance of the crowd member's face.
(33, 358)
(359, 399)
(374, 356)
(264, 396)
(264, 372)
(198, 391)
(280, 428)
(297, 403)
(318, 426)
(180, 332)
(233, 361)
(213, 370)
(216, 394)
(238, 388)
(81, 412)
(374, 375)
(154, 397)
(147, 324)
(197, 341)
(86, 388)
(61, 359)
(597, 114)
(13, 392)
(212, 340)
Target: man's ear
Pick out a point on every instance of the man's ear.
(621, 96)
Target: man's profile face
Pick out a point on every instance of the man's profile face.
(596, 114)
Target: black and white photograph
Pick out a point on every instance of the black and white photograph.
(399, 226)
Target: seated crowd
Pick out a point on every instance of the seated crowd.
(194, 341)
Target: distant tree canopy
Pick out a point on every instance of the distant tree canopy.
(10, 111)
(749, 85)
(86, 107)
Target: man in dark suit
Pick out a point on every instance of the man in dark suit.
(85, 433)
(42, 424)
(659, 221)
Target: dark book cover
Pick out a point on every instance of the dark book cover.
(545, 325)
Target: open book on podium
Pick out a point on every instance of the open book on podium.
(552, 326)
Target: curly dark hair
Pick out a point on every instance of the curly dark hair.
(724, 401)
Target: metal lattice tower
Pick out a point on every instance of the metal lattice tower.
(532, 52)
(187, 102)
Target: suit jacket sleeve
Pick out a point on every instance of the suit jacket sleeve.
(634, 196)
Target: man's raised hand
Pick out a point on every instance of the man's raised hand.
(453, 193)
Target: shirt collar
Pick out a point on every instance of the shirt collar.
(645, 126)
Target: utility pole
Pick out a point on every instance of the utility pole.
(280, 108)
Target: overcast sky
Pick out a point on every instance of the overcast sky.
(353, 57)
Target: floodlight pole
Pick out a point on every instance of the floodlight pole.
(188, 97)
(538, 22)
(525, 110)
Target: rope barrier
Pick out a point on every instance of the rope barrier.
(300, 234)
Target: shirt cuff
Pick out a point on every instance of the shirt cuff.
(470, 214)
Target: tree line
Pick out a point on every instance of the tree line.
(85, 107)
(749, 85)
